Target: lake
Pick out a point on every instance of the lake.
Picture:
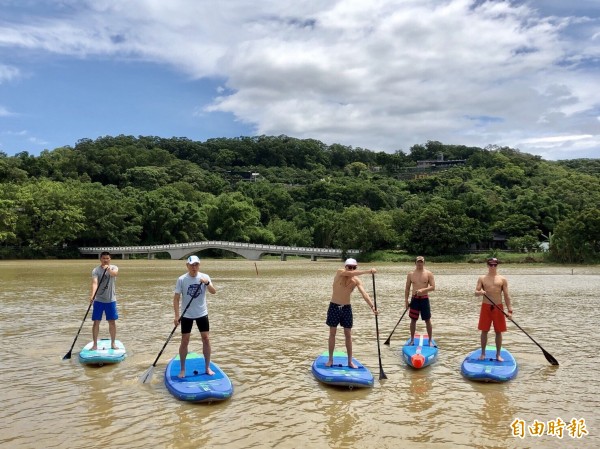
(267, 326)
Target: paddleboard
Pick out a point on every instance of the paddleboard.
(104, 354)
(340, 373)
(197, 386)
(420, 354)
(489, 369)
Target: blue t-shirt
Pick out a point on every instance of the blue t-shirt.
(193, 287)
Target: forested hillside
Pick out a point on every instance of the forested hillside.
(280, 190)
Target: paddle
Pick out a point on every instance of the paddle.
(68, 354)
(548, 356)
(147, 376)
(381, 373)
(387, 342)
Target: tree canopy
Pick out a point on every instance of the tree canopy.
(435, 199)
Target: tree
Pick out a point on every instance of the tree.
(233, 217)
(577, 239)
(361, 228)
(49, 214)
(439, 227)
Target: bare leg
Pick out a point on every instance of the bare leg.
(206, 352)
(112, 330)
(95, 332)
(332, 332)
(484, 336)
(348, 338)
(499, 346)
(183, 352)
(429, 331)
(413, 328)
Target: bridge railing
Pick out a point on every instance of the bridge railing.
(219, 244)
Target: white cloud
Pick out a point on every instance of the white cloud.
(8, 73)
(380, 74)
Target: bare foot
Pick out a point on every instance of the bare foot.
(181, 374)
(352, 365)
(500, 359)
(482, 356)
(210, 372)
(114, 347)
(329, 363)
(94, 348)
(431, 343)
(411, 343)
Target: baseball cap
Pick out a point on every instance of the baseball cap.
(351, 262)
(492, 261)
(420, 258)
(193, 259)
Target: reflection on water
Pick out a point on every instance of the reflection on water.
(267, 326)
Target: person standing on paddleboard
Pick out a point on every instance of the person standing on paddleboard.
(192, 287)
(104, 298)
(493, 287)
(422, 282)
(340, 310)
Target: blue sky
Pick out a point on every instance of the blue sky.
(382, 75)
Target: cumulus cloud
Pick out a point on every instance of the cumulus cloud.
(380, 74)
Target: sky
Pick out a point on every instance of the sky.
(382, 75)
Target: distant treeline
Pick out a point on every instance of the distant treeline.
(125, 190)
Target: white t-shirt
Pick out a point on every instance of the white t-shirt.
(188, 287)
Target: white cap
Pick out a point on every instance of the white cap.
(193, 259)
(351, 262)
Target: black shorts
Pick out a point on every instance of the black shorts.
(187, 323)
(419, 305)
(337, 314)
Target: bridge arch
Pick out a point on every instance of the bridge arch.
(251, 251)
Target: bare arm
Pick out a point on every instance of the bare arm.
(176, 297)
(407, 289)
(350, 273)
(479, 291)
(365, 295)
(94, 287)
(430, 285)
(507, 298)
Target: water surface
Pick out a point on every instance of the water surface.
(267, 326)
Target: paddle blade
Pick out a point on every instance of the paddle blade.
(67, 355)
(387, 342)
(146, 378)
(549, 357)
(382, 375)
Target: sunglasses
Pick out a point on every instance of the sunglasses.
(492, 264)
(351, 267)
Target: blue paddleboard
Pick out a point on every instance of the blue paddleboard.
(420, 354)
(340, 373)
(197, 386)
(489, 369)
(104, 354)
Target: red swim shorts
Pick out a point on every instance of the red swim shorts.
(490, 314)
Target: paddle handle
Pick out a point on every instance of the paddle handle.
(381, 373)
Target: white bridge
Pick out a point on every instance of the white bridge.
(250, 251)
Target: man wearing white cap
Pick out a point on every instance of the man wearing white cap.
(340, 310)
(192, 287)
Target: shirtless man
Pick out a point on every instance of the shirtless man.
(340, 310)
(494, 287)
(422, 283)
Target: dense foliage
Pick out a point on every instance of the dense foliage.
(148, 190)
